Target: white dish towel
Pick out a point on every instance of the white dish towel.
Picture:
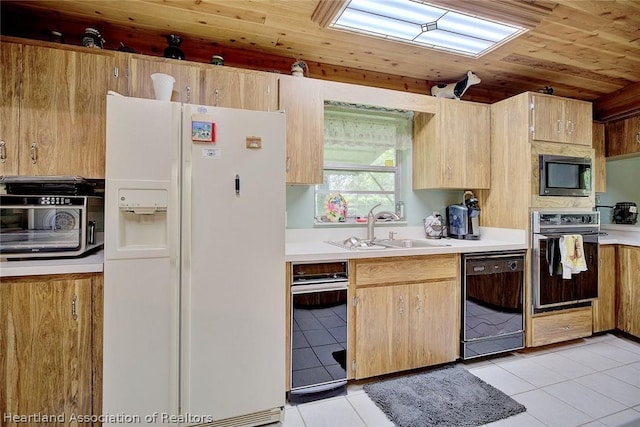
(572, 255)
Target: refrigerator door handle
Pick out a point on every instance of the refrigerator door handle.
(237, 185)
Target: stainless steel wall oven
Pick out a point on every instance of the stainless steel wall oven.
(318, 330)
(550, 290)
(492, 303)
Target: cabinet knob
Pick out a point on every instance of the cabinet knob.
(571, 126)
(559, 126)
(3, 152)
(638, 137)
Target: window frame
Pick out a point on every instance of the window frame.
(397, 169)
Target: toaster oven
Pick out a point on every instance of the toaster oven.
(37, 226)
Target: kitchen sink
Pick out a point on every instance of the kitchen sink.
(411, 243)
(357, 245)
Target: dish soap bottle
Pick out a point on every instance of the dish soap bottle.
(400, 209)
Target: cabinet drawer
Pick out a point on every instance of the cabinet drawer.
(562, 326)
(373, 271)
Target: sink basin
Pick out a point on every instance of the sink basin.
(360, 245)
(411, 243)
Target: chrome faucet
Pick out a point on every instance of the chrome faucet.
(372, 218)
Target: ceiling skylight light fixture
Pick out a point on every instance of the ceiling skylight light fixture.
(419, 23)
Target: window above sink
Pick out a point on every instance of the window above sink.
(362, 164)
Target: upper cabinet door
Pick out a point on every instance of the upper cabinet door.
(556, 119)
(235, 88)
(623, 137)
(185, 89)
(451, 149)
(302, 101)
(10, 109)
(465, 129)
(62, 111)
(547, 119)
(579, 122)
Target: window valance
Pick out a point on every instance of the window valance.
(358, 125)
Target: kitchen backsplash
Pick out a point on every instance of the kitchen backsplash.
(623, 176)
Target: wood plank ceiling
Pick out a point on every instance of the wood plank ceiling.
(583, 49)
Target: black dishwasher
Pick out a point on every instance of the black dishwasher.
(492, 303)
(318, 330)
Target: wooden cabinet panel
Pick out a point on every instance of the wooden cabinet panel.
(382, 321)
(302, 101)
(599, 161)
(556, 119)
(406, 313)
(371, 271)
(579, 122)
(623, 137)
(185, 89)
(49, 340)
(628, 289)
(561, 326)
(451, 149)
(604, 308)
(547, 119)
(235, 88)
(435, 323)
(10, 108)
(62, 105)
(402, 327)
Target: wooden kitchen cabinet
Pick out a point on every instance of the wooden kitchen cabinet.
(57, 126)
(628, 289)
(604, 308)
(561, 326)
(236, 88)
(599, 161)
(406, 313)
(187, 74)
(301, 99)
(10, 53)
(51, 345)
(556, 119)
(623, 137)
(451, 149)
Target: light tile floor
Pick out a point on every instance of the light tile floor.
(590, 382)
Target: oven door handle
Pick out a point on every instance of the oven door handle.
(318, 287)
(586, 237)
(557, 235)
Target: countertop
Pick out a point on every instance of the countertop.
(311, 244)
(92, 263)
(617, 234)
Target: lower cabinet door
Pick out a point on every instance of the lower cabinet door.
(434, 326)
(562, 326)
(46, 346)
(400, 327)
(382, 321)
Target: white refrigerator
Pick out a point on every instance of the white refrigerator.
(194, 272)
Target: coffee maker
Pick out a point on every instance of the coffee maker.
(462, 219)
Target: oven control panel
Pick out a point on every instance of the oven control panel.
(545, 221)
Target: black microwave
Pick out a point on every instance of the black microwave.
(565, 176)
